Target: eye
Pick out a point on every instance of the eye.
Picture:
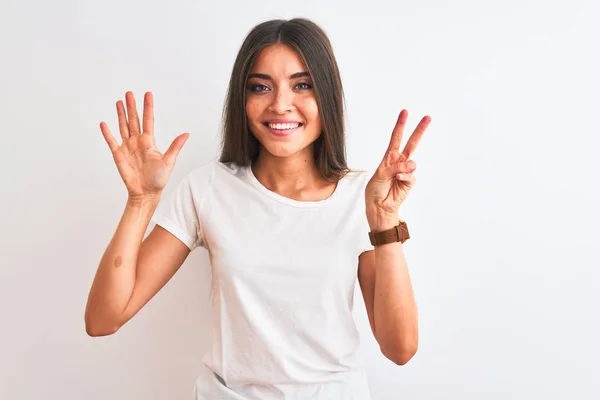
(304, 86)
(257, 87)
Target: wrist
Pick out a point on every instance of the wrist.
(383, 227)
(383, 223)
(383, 235)
(141, 201)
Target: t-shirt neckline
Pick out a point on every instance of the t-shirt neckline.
(286, 200)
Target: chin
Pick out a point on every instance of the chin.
(284, 148)
(282, 151)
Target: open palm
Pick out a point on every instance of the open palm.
(143, 168)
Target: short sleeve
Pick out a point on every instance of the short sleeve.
(365, 241)
(179, 212)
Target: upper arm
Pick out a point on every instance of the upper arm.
(366, 280)
(160, 256)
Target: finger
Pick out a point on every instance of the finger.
(148, 116)
(404, 167)
(123, 128)
(173, 151)
(398, 131)
(408, 179)
(415, 138)
(134, 119)
(112, 143)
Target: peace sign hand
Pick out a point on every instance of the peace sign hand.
(394, 178)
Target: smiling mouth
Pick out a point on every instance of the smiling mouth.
(283, 127)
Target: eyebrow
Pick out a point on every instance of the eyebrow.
(268, 77)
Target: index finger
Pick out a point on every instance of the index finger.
(148, 117)
(398, 131)
(412, 143)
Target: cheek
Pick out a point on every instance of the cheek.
(250, 110)
(254, 107)
(309, 109)
(311, 113)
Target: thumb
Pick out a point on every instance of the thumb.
(175, 147)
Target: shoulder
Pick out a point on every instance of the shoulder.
(199, 179)
(353, 185)
(205, 176)
(202, 172)
(206, 172)
(358, 177)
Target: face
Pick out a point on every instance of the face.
(281, 106)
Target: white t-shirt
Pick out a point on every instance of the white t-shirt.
(283, 282)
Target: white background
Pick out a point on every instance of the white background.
(504, 219)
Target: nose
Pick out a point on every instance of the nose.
(282, 101)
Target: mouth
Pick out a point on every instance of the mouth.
(283, 129)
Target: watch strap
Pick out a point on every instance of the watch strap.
(399, 233)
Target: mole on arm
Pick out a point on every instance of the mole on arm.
(118, 261)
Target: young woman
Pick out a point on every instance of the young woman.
(288, 226)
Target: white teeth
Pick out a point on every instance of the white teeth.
(284, 126)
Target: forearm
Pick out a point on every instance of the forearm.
(394, 307)
(115, 278)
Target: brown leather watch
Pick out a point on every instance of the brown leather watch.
(399, 233)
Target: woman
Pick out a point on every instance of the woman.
(287, 225)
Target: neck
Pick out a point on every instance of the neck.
(287, 175)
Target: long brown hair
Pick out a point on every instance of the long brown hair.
(239, 144)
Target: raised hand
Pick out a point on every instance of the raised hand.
(143, 168)
(394, 177)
